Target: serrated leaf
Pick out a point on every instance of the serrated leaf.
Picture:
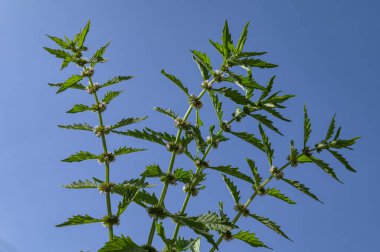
(128, 197)
(98, 56)
(77, 126)
(80, 156)
(267, 145)
(250, 239)
(161, 232)
(243, 37)
(203, 62)
(127, 121)
(194, 246)
(234, 172)
(252, 54)
(331, 129)
(82, 184)
(244, 82)
(62, 43)
(143, 198)
(250, 62)
(306, 127)
(194, 133)
(304, 159)
(176, 81)
(227, 40)
(265, 121)
(217, 106)
(214, 222)
(81, 36)
(74, 79)
(152, 171)
(257, 178)
(249, 138)
(181, 175)
(277, 194)
(302, 188)
(61, 54)
(270, 224)
(79, 108)
(145, 135)
(343, 143)
(79, 220)
(342, 159)
(325, 167)
(217, 46)
(268, 88)
(121, 244)
(126, 150)
(232, 188)
(234, 96)
(275, 113)
(110, 95)
(116, 80)
(168, 112)
(74, 86)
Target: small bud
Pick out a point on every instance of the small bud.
(157, 212)
(206, 85)
(88, 72)
(322, 145)
(201, 164)
(187, 188)
(92, 88)
(195, 102)
(181, 124)
(241, 209)
(173, 147)
(226, 126)
(227, 236)
(212, 141)
(111, 220)
(218, 75)
(276, 173)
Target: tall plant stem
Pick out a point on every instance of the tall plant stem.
(170, 169)
(104, 143)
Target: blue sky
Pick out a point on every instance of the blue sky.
(328, 56)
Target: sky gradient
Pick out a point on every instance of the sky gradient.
(327, 52)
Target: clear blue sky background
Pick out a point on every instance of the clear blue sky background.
(328, 52)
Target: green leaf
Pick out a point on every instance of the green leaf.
(176, 81)
(198, 120)
(145, 135)
(214, 222)
(82, 184)
(255, 173)
(98, 56)
(268, 88)
(79, 220)
(152, 171)
(203, 62)
(121, 244)
(270, 224)
(61, 54)
(275, 113)
(252, 54)
(74, 86)
(81, 36)
(62, 43)
(343, 143)
(227, 40)
(249, 138)
(126, 150)
(343, 160)
(325, 167)
(331, 129)
(116, 80)
(161, 232)
(304, 159)
(128, 197)
(168, 112)
(254, 63)
(110, 95)
(267, 145)
(143, 198)
(181, 175)
(306, 127)
(242, 39)
(74, 79)
(194, 246)
(265, 121)
(244, 82)
(194, 133)
(274, 192)
(249, 238)
(234, 95)
(79, 108)
(217, 46)
(232, 172)
(301, 188)
(217, 106)
(80, 156)
(235, 193)
(124, 122)
(77, 126)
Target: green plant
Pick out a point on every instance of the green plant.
(235, 71)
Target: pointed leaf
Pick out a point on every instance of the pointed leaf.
(232, 188)
(265, 121)
(145, 135)
(325, 167)
(168, 112)
(124, 122)
(203, 62)
(77, 126)
(62, 43)
(116, 80)
(98, 56)
(61, 54)
(121, 244)
(277, 194)
(80, 156)
(302, 188)
(74, 86)
(343, 160)
(267, 145)
(249, 238)
(306, 127)
(74, 79)
(270, 224)
(255, 173)
(234, 96)
(227, 40)
(82, 35)
(126, 150)
(79, 108)
(233, 172)
(79, 220)
(249, 138)
(110, 95)
(217, 106)
(242, 39)
(176, 81)
(152, 171)
(82, 184)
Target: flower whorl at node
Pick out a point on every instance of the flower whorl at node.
(201, 163)
(195, 102)
(82, 61)
(212, 141)
(206, 85)
(168, 178)
(106, 158)
(88, 72)
(181, 124)
(241, 209)
(306, 151)
(102, 130)
(149, 248)
(111, 220)
(176, 147)
(106, 187)
(101, 107)
(225, 126)
(227, 236)
(187, 188)
(91, 89)
(156, 212)
(261, 191)
(218, 75)
(276, 173)
(322, 145)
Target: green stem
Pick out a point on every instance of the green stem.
(105, 151)
(170, 169)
